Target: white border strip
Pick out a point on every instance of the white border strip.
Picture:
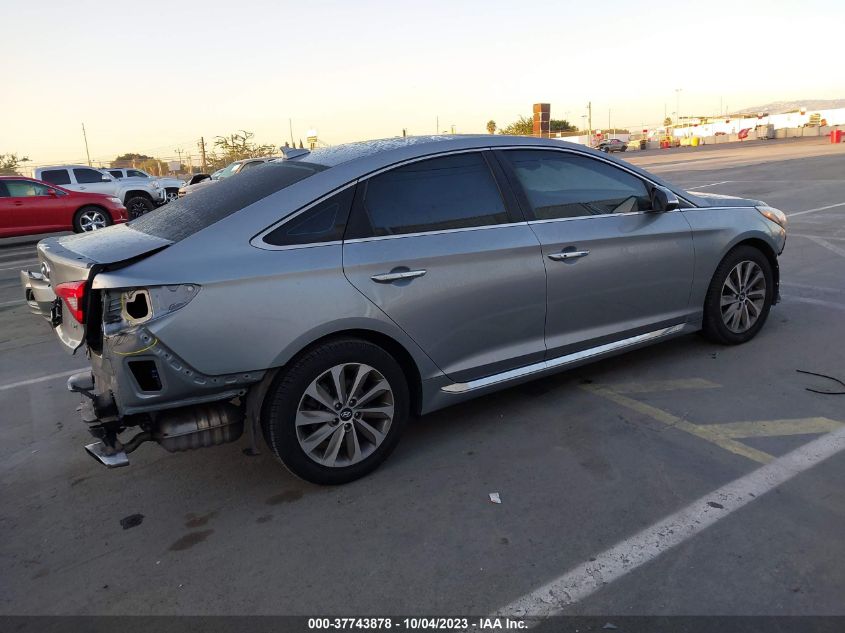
(584, 580)
(830, 206)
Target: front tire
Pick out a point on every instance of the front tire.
(89, 219)
(338, 412)
(137, 206)
(739, 297)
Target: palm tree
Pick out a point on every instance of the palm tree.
(491, 126)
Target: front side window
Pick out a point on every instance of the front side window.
(256, 163)
(56, 176)
(85, 176)
(450, 192)
(324, 222)
(565, 185)
(26, 189)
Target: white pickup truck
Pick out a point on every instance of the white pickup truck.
(138, 196)
(130, 174)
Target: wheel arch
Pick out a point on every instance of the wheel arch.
(133, 193)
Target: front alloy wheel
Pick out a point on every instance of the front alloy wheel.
(92, 220)
(743, 296)
(740, 295)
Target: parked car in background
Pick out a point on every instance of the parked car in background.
(232, 169)
(612, 145)
(29, 207)
(138, 196)
(323, 299)
(128, 174)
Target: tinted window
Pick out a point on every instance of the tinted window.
(85, 176)
(116, 173)
(56, 176)
(26, 188)
(563, 185)
(183, 217)
(441, 193)
(3, 192)
(134, 173)
(323, 222)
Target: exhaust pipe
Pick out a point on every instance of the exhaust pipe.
(177, 430)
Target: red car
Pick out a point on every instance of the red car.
(29, 206)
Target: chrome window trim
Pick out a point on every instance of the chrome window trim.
(560, 361)
(258, 240)
(463, 229)
(600, 215)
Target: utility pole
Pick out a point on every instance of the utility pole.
(202, 155)
(290, 126)
(590, 121)
(436, 124)
(85, 138)
(678, 106)
(179, 151)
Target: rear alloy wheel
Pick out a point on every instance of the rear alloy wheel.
(337, 412)
(739, 297)
(137, 206)
(89, 219)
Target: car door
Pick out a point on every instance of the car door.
(616, 269)
(9, 221)
(434, 245)
(94, 181)
(35, 206)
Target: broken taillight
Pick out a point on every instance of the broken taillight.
(73, 294)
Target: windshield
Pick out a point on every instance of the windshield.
(227, 171)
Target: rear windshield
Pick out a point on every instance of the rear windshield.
(183, 217)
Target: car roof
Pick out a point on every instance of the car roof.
(43, 167)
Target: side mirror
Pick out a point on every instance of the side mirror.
(52, 193)
(663, 199)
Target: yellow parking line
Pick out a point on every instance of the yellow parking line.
(777, 428)
(707, 432)
(662, 385)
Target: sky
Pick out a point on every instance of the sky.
(153, 77)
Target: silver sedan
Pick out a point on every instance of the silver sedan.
(321, 300)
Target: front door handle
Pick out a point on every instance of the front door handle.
(386, 278)
(559, 257)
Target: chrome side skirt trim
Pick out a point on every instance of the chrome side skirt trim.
(560, 361)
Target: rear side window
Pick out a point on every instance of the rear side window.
(85, 176)
(183, 217)
(564, 185)
(56, 176)
(116, 173)
(26, 189)
(324, 222)
(450, 192)
(134, 173)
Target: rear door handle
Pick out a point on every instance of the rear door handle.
(386, 278)
(558, 257)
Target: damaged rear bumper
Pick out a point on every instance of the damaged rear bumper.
(136, 381)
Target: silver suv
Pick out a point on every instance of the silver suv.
(323, 299)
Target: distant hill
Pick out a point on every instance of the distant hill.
(777, 107)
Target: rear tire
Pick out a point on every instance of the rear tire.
(337, 412)
(137, 206)
(90, 218)
(739, 297)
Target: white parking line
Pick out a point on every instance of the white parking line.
(712, 184)
(830, 206)
(582, 581)
(18, 265)
(32, 381)
(833, 248)
(11, 303)
(815, 302)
